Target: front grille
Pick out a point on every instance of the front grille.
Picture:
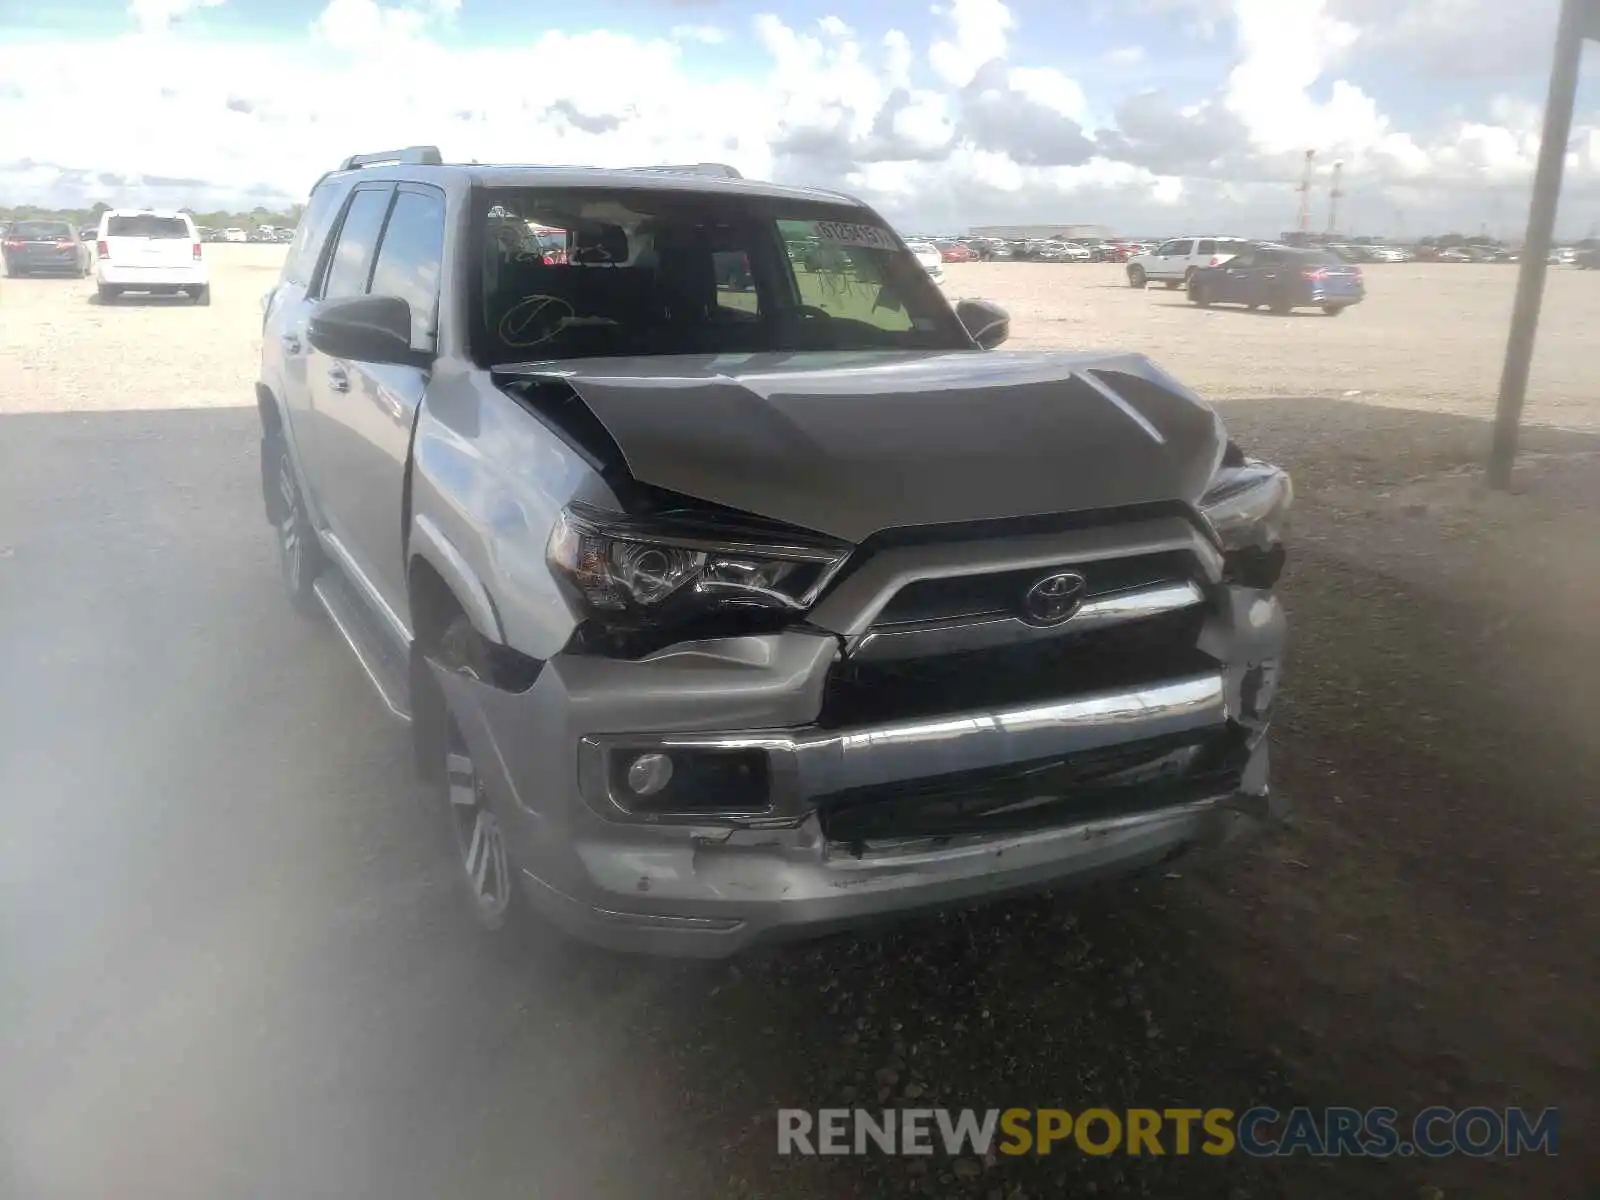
(1124, 656)
(1002, 591)
(1134, 777)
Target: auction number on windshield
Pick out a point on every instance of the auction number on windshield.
(847, 233)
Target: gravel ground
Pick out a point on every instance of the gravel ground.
(234, 967)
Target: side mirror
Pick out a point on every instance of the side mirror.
(372, 329)
(987, 322)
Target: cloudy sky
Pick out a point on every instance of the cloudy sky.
(1146, 115)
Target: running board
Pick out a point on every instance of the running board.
(385, 667)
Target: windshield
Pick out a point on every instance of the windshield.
(147, 226)
(40, 231)
(590, 273)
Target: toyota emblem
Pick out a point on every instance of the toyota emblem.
(1054, 599)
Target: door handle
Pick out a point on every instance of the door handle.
(338, 380)
(291, 343)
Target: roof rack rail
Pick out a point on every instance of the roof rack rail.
(716, 170)
(427, 156)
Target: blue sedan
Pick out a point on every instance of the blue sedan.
(1280, 278)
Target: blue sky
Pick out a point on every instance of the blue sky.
(1135, 113)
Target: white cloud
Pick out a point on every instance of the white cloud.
(978, 35)
(966, 121)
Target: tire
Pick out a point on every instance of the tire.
(1282, 305)
(1333, 310)
(484, 866)
(201, 296)
(108, 294)
(300, 558)
(1136, 276)
(1197, 295)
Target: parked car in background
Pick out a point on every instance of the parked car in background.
(955, 252)
(1352, 252)
(45, 248)
(1587, 260)
(1562, 256)
(1172, 262)
(235, 234)
(1391, 254)
(930, 258)
(1281, 278)
(1454, 254)
(150, 250)
(1053, 251)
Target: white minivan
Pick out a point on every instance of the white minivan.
(150, 250)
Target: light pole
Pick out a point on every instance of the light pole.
(1579, 19)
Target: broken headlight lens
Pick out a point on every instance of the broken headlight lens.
(632, 572)
(1247, 507)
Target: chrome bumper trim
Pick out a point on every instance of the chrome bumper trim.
(809, 763)
(925, 639)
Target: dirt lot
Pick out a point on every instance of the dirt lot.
(236, 971)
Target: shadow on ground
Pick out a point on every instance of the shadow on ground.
(243, 971)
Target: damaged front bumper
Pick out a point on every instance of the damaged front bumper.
(817, 828)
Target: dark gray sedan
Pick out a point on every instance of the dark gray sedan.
(39, 247)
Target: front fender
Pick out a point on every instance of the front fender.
(429, 543)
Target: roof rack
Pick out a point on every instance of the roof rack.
(716, 170)
(427, 156)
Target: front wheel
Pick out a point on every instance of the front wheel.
(1136, 277)
(1333, 310)
(484, 864)
(1197, 295)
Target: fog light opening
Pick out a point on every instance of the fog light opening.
(649, 774)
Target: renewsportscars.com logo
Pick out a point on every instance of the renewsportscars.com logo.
(1259, 1132)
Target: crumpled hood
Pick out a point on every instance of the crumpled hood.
(851, 443)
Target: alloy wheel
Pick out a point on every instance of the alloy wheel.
(479, 839)
(290, 545)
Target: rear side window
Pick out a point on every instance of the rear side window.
(1207, 247)
(310, 235)
(351, 264)
(40, 231)
(147, 225)
(409, 258)
(1167, 248)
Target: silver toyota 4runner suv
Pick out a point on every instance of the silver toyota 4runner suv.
(734, 589)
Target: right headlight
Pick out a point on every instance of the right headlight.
(640, 573)
(1247, 507)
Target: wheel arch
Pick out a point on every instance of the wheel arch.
(271, 417)
(441, 588)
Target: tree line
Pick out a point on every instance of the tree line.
(215, 219)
